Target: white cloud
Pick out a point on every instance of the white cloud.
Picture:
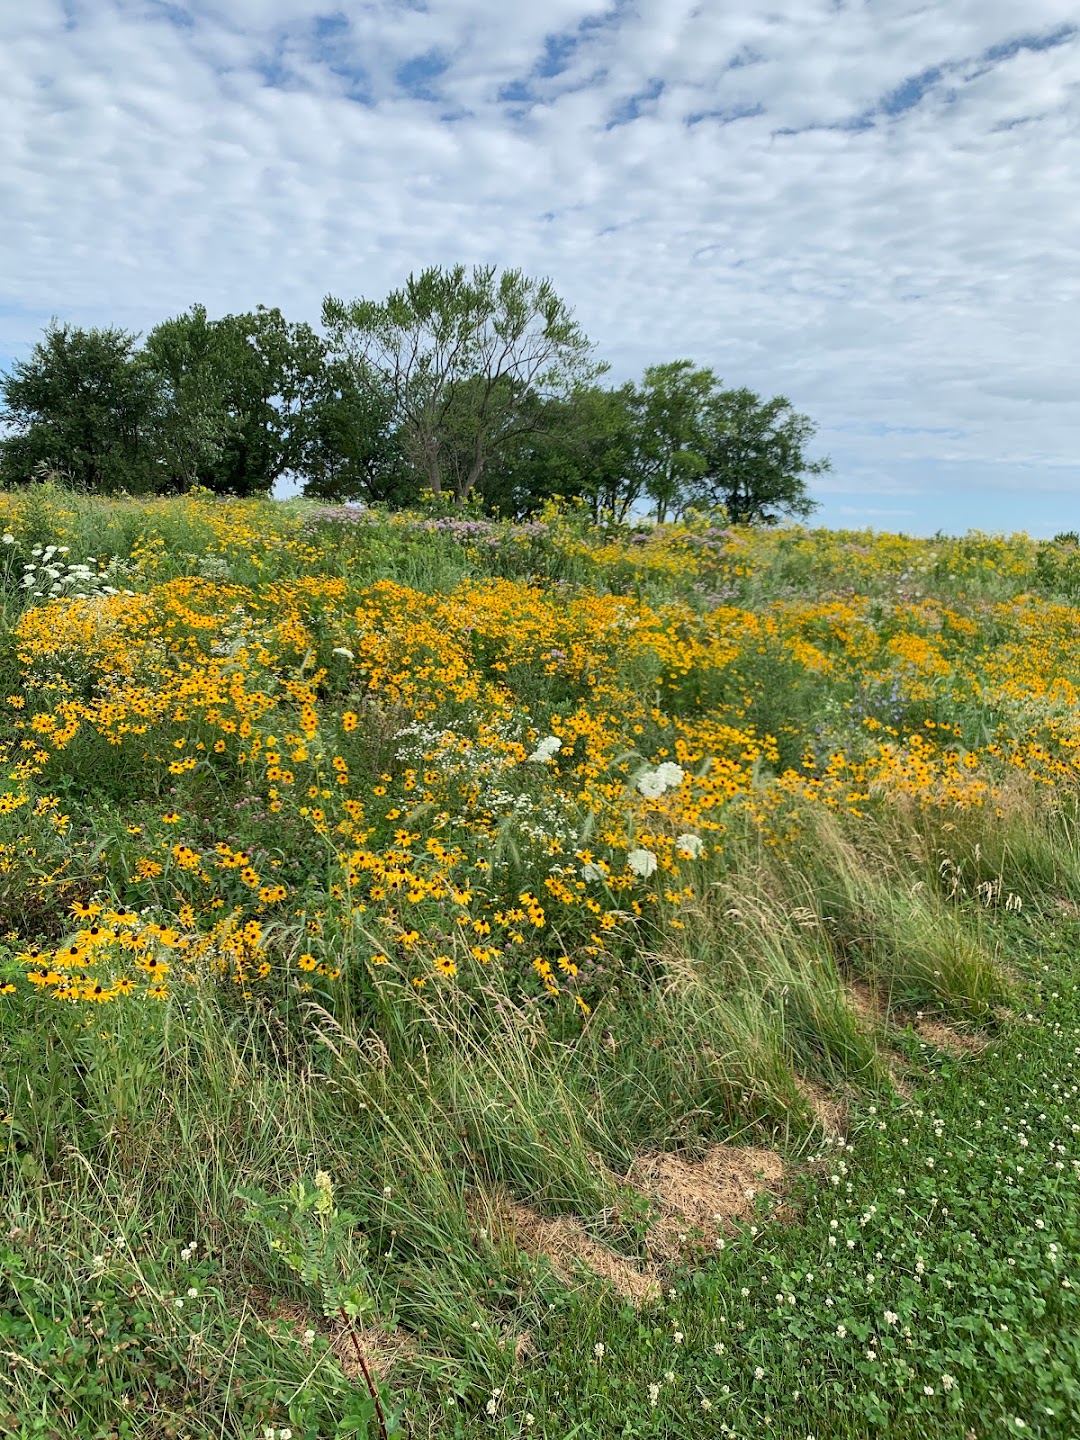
(887, 234)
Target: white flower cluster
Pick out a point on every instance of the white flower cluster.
(654, 783)
(48, 575)
(211, 567)
(547, 749)
(641, 862)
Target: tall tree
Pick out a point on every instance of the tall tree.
(192, 419)
(756, 463)
(350, 449)
(82, 404)
(581, 446)
(235, 395)
(671, 405)
(460, 352)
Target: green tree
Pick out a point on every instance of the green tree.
(82, 404)
(350, 449)
(671, 407)
(580, 445)
(235, 396)
(756, 464)
(192, 419)
(460, 352)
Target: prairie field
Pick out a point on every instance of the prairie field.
(469, 978)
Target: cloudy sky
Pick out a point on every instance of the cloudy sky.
(870, 206)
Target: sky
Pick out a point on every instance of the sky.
(869, 206)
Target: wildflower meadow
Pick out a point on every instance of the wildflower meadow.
(472, 978)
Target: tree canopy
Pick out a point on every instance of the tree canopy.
(82, 403)
(477, 386)
(461, 354)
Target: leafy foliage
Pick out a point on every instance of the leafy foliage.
(473, 386)
(81, 404)
(460, 353)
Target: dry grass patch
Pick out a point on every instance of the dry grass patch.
(830, 1112)
(870, 1006)
(944, 1037)
(382, 1349)
(568, 1249)
(698, 1200)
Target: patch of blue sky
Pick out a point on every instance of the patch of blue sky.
(175, 14)
(746, 56)
(912, 90)
(272, 68)
(517, 92)
(726, 116)
(558, 53)
(635, 106)
(1008, 48)
(909, 92)
(417, 76)
(329, 47)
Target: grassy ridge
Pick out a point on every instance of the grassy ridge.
(364, 875)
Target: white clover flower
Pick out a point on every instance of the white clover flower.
(641, 862)
(547, 749)
(691, 845)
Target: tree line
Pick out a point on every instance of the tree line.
(474, 385)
